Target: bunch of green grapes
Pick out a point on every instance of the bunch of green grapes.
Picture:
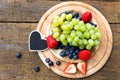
(74, 32)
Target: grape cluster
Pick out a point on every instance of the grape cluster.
(69, 29)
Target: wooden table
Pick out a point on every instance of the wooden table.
(19, 17)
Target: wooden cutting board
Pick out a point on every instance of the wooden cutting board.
(100, 56)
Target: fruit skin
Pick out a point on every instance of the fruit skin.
(84, 55)
(51, 42)
(36, 68)
(70, 69)
(82, 67)
(87, 16)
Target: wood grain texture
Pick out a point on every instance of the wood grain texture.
(32, 10)
(17, 18)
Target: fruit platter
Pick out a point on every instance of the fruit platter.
(73, 39)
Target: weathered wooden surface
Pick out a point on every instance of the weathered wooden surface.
(19, 17)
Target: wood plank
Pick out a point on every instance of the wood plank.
(13, 69)
(32, 10)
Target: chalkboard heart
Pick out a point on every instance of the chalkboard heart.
(36, 43)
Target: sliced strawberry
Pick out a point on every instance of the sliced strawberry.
(70, 69)
(51, 42)
(87, 16)
(82, 67)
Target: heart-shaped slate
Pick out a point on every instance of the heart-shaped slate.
(36, 43)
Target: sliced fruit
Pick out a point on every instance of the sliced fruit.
(82, 67)
(84, 55)
(51, 42)
(70, 69)
(87, 16)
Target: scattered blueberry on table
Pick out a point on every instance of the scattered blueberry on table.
(18, 55)
(36, 68)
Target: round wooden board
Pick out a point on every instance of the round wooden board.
(100, 56)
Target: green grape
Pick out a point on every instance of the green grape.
(56, 34)
(80, 42)
(98, 35)
(69, 17)
(82, 28)
(58, 38)
(62, 37)
(66, 22)
(69, 39)
(89, 47)
(64, 43)
(76, 39)
(74, 43)
(82, 46)
(75, 21)
(61, 21)
(87, 35)
(55, 23)
(65, 27)
(93, 37)
(56, 29)
(71, 24)
(97, 42)
(72, 34)
(77, 27)
(79, 34)
(81, 23)
(91, 32)
(89, 26)
(96, 29)
(66, 32)
(63, 16)
(85, 41)
(91, 42)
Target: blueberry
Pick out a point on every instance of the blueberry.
(47, 60)
(18, 55)
(72, 48)
(58, 62)
(67, 47)
(36, 68)
(75, 57)
(79, 17)
(77, 51)
(75, 14)
(62, 54)
(95, 25)
(74, 54)
(71, 51)
(67, 52)
(68, 12)
(50, 63)
(70, 56)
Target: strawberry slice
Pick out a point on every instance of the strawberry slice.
(70, 69)
(51, 42)
(82, 67)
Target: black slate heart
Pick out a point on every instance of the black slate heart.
(35, 42)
